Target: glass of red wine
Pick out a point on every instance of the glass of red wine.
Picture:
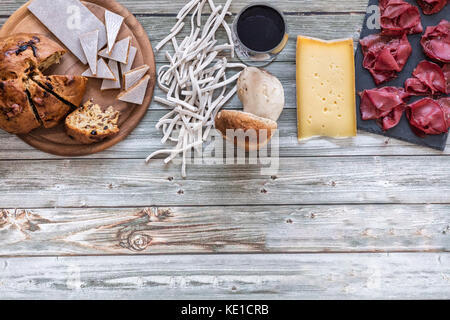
(260, 33)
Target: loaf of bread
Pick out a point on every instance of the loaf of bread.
(262, 128)
(89, 124)
(27, 101)
(23, 52)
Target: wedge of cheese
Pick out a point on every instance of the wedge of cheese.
(67, 20)
(132, 77)
(113, 23)
(112, 84)
(326, 99)
(125, 67)
(135, 94)
(89, 43)
(103, 71)
(120, 51)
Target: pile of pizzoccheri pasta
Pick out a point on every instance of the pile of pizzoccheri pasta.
(195, 79)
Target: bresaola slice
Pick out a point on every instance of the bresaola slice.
(446, 70)
(386, 105)
(429, 117)
(399, 17)
(428, 80)
(445, 104)
(431, 6)
(385, 56)
(436, 42)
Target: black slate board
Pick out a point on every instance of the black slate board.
(365, 81)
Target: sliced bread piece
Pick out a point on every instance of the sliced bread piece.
(17, 114)
(132, 77)
(89, 43)
(120, 51)
(50, 109)
(112, 84)
(69, 89)
(113, 24)
(261, 130)
(103, 71)
(131, 56)
(135, 94)
(89, 124)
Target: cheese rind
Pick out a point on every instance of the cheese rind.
(67, 20)
(326, 95)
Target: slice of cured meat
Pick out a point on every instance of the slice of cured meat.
(436, 42)
(431, 6)
(385, 56)
(446, 70)
(428, 116)
(428, 80)
(386, 105)
(399, 17)
(445, 104)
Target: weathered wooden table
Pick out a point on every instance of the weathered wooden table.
(361, 218)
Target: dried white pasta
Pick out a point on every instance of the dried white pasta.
(194, 79)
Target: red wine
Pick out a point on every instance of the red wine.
(261, 28)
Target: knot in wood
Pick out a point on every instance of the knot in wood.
(139, 241)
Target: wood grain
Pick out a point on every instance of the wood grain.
(158, 7)
(145, 139)
(312, 229)
(257, 229)
(307, 180)
(287, 276)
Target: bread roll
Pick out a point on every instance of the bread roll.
(263, 129)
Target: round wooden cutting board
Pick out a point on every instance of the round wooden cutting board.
(55, 140)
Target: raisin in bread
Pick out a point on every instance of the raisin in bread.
(25, 103)
(17, 115)
(24, 52)
(89, 124)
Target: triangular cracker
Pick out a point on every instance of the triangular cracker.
(113, 23)
(131, 56)
(132, 77)
(120, 51)
(103, 71)
(137, 93)
(89, 43)
(112, 84)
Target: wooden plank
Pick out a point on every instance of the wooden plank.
(299, 181)
(259, 229)
(326, 26)
(145, 139)
(314, 276)
(162, 7)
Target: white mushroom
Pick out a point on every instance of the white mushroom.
(261, 93)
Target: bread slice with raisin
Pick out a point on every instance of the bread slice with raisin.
(50, 109)
(70, 89)
(89, 124)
